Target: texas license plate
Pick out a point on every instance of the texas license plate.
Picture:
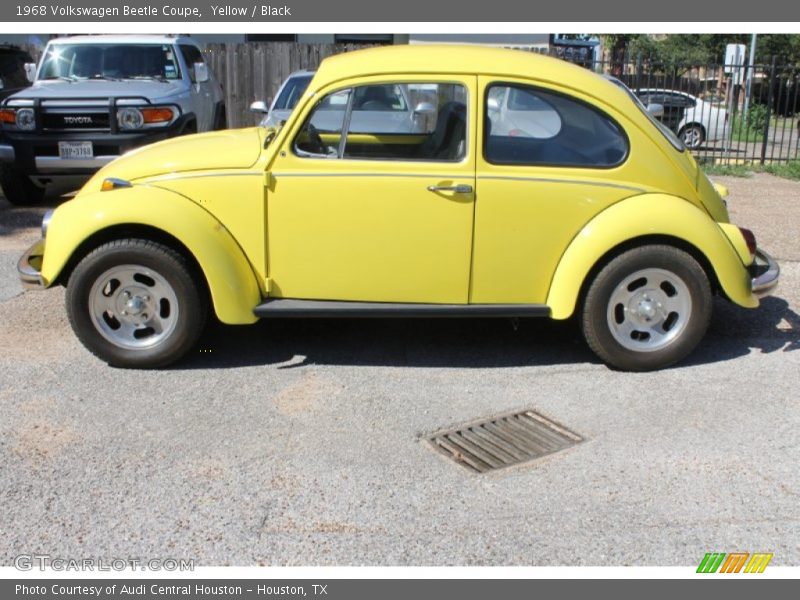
(75, 150)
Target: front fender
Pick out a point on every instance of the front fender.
(231, 281)
(649, 215)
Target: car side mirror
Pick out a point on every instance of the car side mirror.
(201, 72)
(425, 109)
(30, 71)
(657, 110)
(259, 106)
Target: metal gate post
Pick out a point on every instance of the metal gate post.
(768, 116)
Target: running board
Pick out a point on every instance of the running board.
(290, 308)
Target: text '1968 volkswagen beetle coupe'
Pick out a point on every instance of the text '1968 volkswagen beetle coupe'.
(485, 182)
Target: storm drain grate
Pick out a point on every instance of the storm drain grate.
(503, 441)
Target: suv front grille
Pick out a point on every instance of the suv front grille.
(75, 121)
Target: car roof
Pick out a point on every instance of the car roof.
(462, 59)
(124, 39)
(302, 73)
(663, 91)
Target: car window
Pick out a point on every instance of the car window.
(684, 101)
(539, 127)
(191, 54)
(109, 61)
(321, 134)
(399, 121)
(379, 98)
(291, 92)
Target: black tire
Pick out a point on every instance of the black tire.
(659, 336)
(18, 188)
(697, 137)
(189, 128)
(178, 303)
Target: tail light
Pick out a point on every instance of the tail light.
(750, 240)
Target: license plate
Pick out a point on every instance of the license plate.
(75, 150)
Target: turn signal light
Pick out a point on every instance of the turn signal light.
(8, 115)
(750, 239)
(157, 115)
(112, 183)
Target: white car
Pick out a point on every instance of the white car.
(696, 121)
(289, 93)
(384, 108)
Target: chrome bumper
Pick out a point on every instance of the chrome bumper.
(766, 274)
(29, 267)
(54, 164)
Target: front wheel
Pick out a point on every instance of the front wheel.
(647, 308)
(136, 303)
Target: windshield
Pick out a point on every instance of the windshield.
(113, 61)
(291, 92)
(665, 131)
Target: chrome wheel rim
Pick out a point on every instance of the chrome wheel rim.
(133, 307)
(692, 137)
(649, 310)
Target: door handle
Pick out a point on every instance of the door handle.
(458, 189)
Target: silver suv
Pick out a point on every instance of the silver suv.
(94, 98)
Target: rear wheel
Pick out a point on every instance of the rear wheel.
(18, 188)
(135, 303)
(647, 309)
(693, 135)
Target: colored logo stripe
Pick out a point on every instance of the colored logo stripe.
(734, 562)
(711, 562)
(758, 563)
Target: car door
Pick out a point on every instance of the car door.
(359, 211)
(537, 185)
(202, 92)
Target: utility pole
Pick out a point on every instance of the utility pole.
(749, 82)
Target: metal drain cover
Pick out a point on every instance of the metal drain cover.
(503, 441)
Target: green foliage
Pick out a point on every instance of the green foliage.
(752, 128)
(757, 117)
(789, 170)
(728, 170)
(682, 48)
(674, 49)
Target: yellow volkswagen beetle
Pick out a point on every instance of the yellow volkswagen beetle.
(409, 181)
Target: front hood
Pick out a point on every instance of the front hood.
(100, 88)
(229, 149)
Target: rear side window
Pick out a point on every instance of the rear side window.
(531, 126)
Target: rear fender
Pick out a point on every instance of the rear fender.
(639, 217)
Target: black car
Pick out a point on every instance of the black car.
(12, 70)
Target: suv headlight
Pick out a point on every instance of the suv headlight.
(150, 116)
(130, 118)
(25, 119)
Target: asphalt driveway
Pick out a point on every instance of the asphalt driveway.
(293, 443)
